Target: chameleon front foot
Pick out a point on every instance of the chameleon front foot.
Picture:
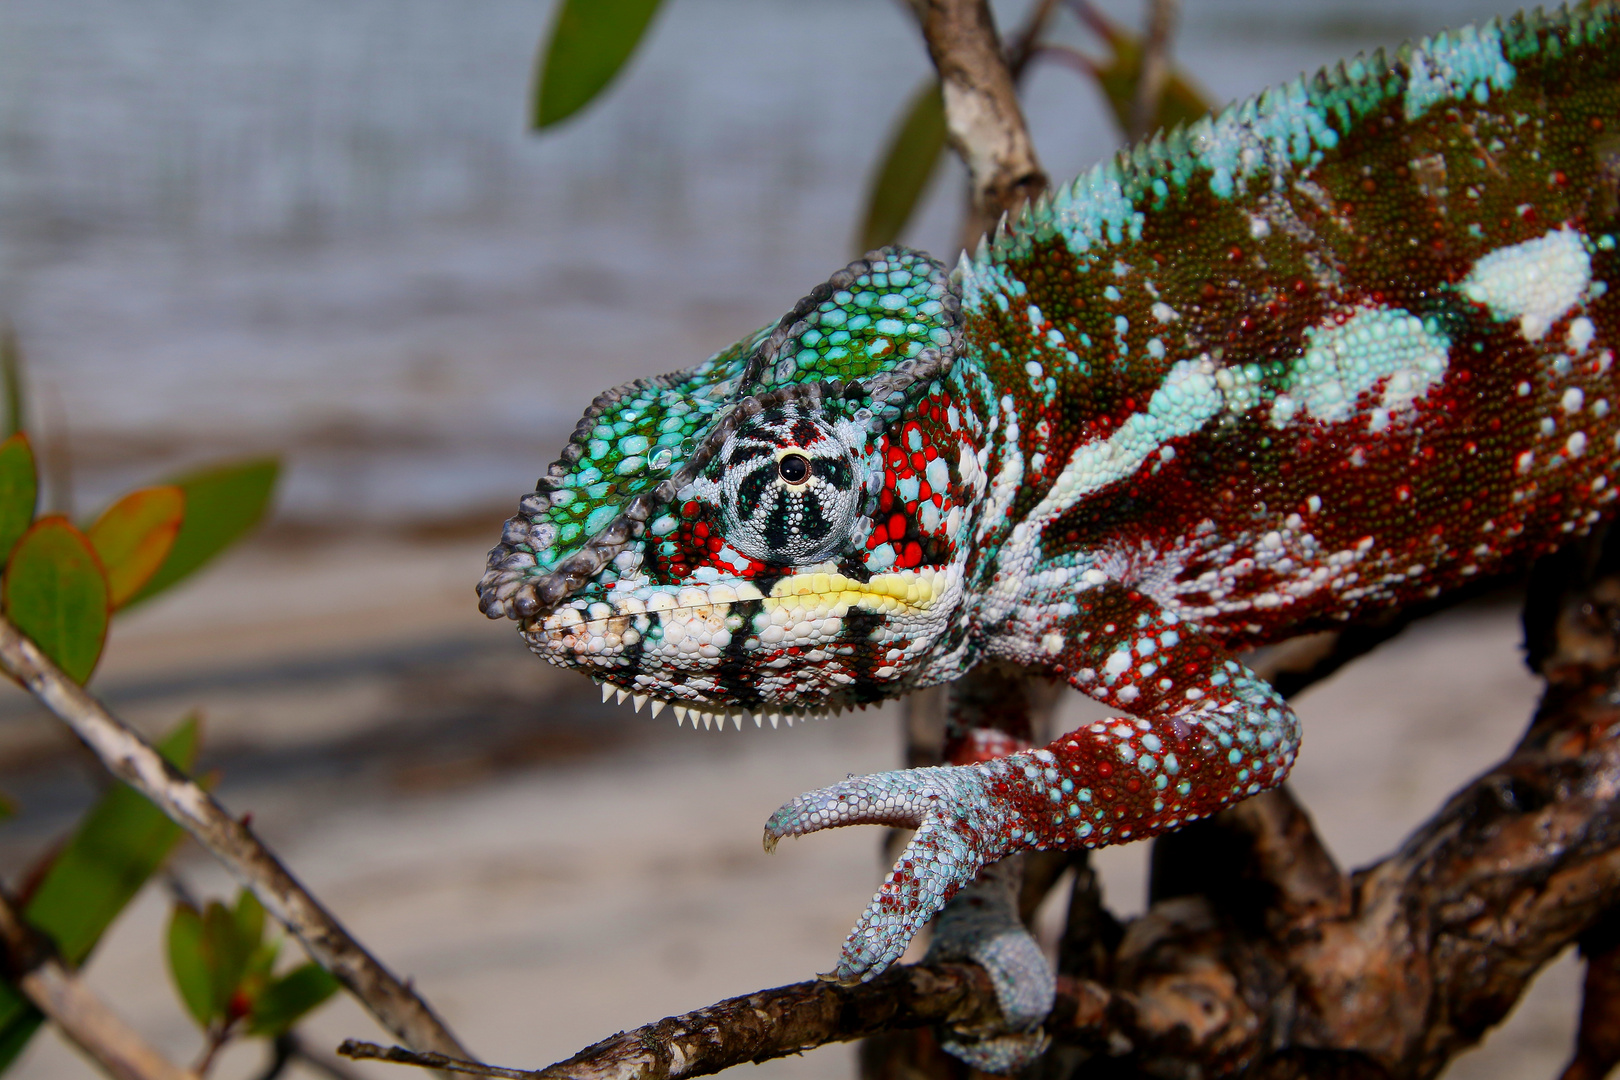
(961, 825)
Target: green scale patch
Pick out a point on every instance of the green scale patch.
(859, 327)
(628, 448)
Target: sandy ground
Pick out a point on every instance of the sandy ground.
(550, 870)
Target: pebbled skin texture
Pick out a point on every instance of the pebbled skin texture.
(1346, 347)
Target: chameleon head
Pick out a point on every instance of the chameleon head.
(775, 530)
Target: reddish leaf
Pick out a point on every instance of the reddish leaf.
(133, 537)
(222, 503)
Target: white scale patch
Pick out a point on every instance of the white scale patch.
(1342, 361)
(1536, 282)
(1387, 346)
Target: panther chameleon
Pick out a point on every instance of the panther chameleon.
(1341, 349)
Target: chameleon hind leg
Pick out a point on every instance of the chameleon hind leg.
(1205, 732)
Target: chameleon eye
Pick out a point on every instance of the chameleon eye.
(794, 469)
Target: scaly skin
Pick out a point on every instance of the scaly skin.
(1341, 349)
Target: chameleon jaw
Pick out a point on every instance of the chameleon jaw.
(819, 641)
(717, 715)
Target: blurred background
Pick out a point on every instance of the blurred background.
(322, 230)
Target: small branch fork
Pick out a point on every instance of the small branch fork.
(130, 758)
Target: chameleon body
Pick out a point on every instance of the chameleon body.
(1341, 349)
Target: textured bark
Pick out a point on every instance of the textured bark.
(983, 121)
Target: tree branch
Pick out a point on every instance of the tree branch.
(984, 122)
(130, 758)
(770, 1024)
(75, 1010)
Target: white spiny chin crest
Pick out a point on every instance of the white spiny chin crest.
(715, 715)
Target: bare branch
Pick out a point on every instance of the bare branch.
(75, 1010)
(983, 119)
(130, 758)
(1022, 48)
(1155, 73)
(1597, 1042)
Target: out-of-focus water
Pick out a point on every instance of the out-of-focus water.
(322, 228)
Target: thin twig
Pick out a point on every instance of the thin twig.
(130, 758)
(1155, 72)
(370, 1051)
(1023, 47)
(319, 1060)
(76, 1011)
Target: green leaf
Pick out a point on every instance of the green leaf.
(288, 998)
(188, 964)
(222, 503)
(56, 592)
(11, 380)
(227, 955)
(19, 491)
(117, 846)
(133, 537)
(261, 963)
(18, 1022)
(914, 152)
(249, 917)
(590, 42)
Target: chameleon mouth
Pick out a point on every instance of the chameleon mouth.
(717, 715)
(693, 628)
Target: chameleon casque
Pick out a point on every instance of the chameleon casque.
(1340, 349)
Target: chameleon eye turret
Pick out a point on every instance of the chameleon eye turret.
(1346, 347)
(789, 488)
